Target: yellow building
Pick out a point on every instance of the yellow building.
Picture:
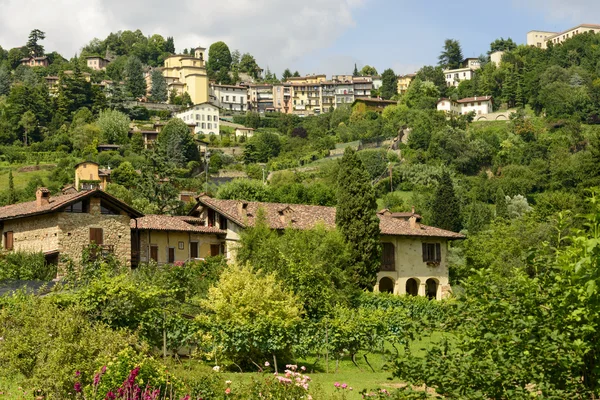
(404, 82)
(187, 73)
(309, 79)
(165, 239)
(89, 176)
(306, 94)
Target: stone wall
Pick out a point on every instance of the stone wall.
(34, 234)
(75, 232)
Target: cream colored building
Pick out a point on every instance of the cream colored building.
(260, 97)
(204, 117)
(414, 259)
(187, 73)
(229, 97)
(65, 225)
(167, 240)
(541, 38)
(282, 98)
(455, 76)
(496, 57)
(97, 63)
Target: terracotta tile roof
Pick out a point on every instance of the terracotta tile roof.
(300, 216)
(169, 223)
(476, 98)
(56, 203)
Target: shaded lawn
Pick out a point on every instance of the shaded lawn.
(21, 179)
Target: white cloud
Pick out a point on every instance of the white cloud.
(276, 32)
(573, 11)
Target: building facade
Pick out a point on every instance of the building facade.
(414, 257)
(404, 82)
(187, 73)
(203, 117)
(97, 63)
(35, 61)
(282, 98)
(229, 97)
(260, 98)
(479, 105)
(542, 38)
(455, 76)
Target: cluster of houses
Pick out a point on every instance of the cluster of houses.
(414, 259)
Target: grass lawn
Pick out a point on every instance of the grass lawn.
(22, 174)
(323, 382)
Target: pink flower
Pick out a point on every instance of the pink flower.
(303, 368)
(337, 384)
(227, 391)
(77, 373)
(344, 386)
(77, 387)
(103, 370)
(267, 364)
(96, 380)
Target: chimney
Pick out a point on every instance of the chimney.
(413, 222)
(242, 208)
(413, 209)
(42, 197)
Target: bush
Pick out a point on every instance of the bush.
(47, 344)
(25, 266)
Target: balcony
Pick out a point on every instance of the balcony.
(100, 251)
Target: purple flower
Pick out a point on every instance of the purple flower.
(96, 380)
(77, 373)
(77, 387)
(110, 396)
(103, 370)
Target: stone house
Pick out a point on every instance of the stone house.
(414, 257)
(166, 239)
(65, 225)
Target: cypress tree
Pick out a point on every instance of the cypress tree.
(357, 220)
(355, 73)
(446, 208)
(501, 206)
(159, 91)
(12, 197)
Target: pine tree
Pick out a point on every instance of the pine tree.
(12, 197)
(159, 92)
(501, 205)
(170, 45)
(355, 73)
(5, 80)
(135, 82)
(389, 86)
(445, 211)
(35, 49)
(509, 89)
(357, 220)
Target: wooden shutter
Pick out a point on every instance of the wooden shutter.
(154, 253)
(438, 252)
(171, 255)
(214, 250)
(424, 251)
(193, 249)
(96, 236)
(211, 217)
(8, 240)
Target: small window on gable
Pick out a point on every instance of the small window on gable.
(222, 222)
(108, 209)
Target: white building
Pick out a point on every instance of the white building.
(455, 76)
(344, 94)
(205, 116)
(229, 97)
(481, 105)
(541, 38)
(472, 63)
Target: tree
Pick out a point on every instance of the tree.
(219, 57)
(502, 45)
(451, 57)
(156, 187)
(235, 59)
(170, 45)
(367, 70)
(248, 64)
(286, 74)
(29, 123)
(125, 175)
(357, 220)
(12, 196)
(35, 49)
(176, 143)
(355, 72)
(135, 83)
(159, 92)
(296, 74)
(389, 85)
(5, 80)
(501, 204)
(114, 126)
(445, 211)
(223, 77)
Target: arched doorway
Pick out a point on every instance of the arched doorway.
(386, 285)
(431, 287)
(412, 287)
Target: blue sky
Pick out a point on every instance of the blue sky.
(311, 36)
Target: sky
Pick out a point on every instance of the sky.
(310, 36)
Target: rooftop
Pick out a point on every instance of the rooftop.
(169, 223)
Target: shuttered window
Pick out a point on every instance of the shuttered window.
(8, 240)
(388, 259)
(154, 253)
(211, 217)
(96, 236)
(432, 252)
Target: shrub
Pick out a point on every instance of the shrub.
(25, 266)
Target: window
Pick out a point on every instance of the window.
(226, 98)
(108, 209)
(79, 207)
(222, 222)
(180, 245)
(154, 253)
(193, 249)
(171, 255)
(96, 236)
(8, 240)
(388, 261)
(233, 98)
(211, 217)
(432, 252)
(197, 117)
(214, 250)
